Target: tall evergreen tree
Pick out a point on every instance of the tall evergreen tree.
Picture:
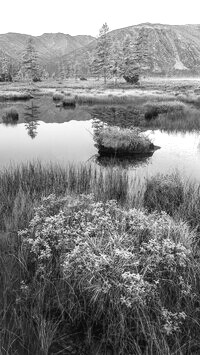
(5, 68)
(30, 62)
(130, 67)
(135, 56)
(116, 59)
(101, 64)
(141, 49)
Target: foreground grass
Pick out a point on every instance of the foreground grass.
(88, 275)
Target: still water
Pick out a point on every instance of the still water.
(50, 134)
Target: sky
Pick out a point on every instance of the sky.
(74, 17)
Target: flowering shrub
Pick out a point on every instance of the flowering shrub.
(125, 272)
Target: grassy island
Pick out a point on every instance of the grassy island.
(122, 142)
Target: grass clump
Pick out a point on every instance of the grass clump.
(15, 95)
(180, 199)
(69, 101)
(125, 279)
(153, 109)
(164, 193)
(10, 115)
(58, 96)
(101, 99)
(112, 140)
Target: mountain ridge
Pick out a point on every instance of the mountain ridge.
(172, 49)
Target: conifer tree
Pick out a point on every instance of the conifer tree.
(116, 60)
(141, 49)
(30, 62)
(5, 68)
(101, 64)
(130, 67)
(135, 56)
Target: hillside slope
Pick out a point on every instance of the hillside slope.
(49, 45)
(171, 49)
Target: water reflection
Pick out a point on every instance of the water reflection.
(124, 162)
(122, 116)
(66, 136)
(31, 117)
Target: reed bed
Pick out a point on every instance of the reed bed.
(23, 187)
(15, 95)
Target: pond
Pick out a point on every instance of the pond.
(52, 134)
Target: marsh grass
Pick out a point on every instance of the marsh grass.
(15, 95)
(89, 273)
(101, 99)
(23, 187)
(171, 116)
(124, 279)
(175, 196)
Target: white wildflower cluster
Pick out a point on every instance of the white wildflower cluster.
(110, 256)
(172, 321)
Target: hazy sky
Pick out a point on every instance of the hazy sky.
(87, 16)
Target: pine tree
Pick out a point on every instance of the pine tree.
(130, 67)
(135, 56)
(5, 68)
(101, 62)
(141, 49)
(30, 62)
(62, 71)
(116, 60)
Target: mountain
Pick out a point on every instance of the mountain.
(49, 46)
(170, 49)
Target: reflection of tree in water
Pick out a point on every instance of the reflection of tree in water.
(124, 162)
(122, 116)
(31, 115)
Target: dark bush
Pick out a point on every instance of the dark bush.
(10, 116)
(134, 79)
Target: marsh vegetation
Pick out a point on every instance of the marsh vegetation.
(112, 274)
(101, 257)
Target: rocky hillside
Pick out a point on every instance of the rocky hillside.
(171, 49)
